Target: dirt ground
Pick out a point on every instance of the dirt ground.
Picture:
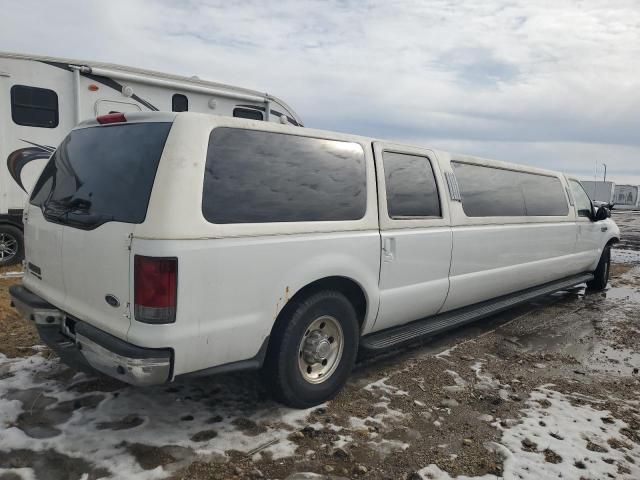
(17, 337)
(549, 389)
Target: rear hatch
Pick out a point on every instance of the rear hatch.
(83, 212)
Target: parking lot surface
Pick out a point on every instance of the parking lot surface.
(549, 389)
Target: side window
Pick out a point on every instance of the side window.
(260, 177)
(34, 107)
(544, 196)
(489, 192)
(496, 192)
(179, 103)
(410, 185)
(581, 199)
(248, 113)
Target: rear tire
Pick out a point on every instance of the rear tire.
(601, 275)
(11, 245)
(312, 350)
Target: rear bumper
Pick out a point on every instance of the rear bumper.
(91, 346)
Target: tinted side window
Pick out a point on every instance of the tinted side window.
(248, 113)
(489, 192)
(581, 199)
(495, 192)
(179, 103)
(411, 186)
(258, 177)
(543, 196)
(34, 107)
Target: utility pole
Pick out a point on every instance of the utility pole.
(595, 181)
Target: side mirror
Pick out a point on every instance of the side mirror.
(602, 214)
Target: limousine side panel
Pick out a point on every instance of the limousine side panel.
(497, 255)
(217, 322)
(494, 260)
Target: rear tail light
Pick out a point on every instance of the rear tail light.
(156, 289)
(111, 118)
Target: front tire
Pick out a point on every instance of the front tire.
(601, 275)
(11, 245)
(312, 350)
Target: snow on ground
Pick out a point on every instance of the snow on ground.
(433, 472)
(382, 386)
(561, 436)
(198, 420)
(625, 256)
(588, 441)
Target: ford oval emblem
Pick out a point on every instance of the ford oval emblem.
(112, 300)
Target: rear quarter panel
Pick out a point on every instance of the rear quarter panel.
(230, 291)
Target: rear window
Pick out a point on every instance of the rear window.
(259, 177)
(101, 174)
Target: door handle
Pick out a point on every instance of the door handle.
(389, 248)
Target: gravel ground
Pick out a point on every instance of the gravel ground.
(549, 389)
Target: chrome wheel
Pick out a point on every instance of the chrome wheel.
(320, 350)
(8, 247)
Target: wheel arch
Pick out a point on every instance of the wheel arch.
(350, 288)
(13, 221)
(612, 241)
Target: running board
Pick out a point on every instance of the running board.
(396, 336)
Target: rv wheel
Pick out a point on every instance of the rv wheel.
(11, 245)
(312, 350)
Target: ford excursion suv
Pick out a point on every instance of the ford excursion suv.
(160, 245)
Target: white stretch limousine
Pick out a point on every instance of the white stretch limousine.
(161, 245)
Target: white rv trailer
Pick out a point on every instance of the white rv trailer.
(626, 197)
(43, 98)
(599, 191)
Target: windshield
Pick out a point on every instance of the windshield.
(101, 174)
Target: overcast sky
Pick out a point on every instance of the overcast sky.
(548, 83)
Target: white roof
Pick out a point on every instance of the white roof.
(151, 73)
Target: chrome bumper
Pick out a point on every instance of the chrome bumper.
(35, 308)
(98, 349)
(136, 371)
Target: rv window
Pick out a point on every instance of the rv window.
(34, 107)
(411, 186)
(496, 192)
(259, 177)
(179, 103)
(247, 113)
